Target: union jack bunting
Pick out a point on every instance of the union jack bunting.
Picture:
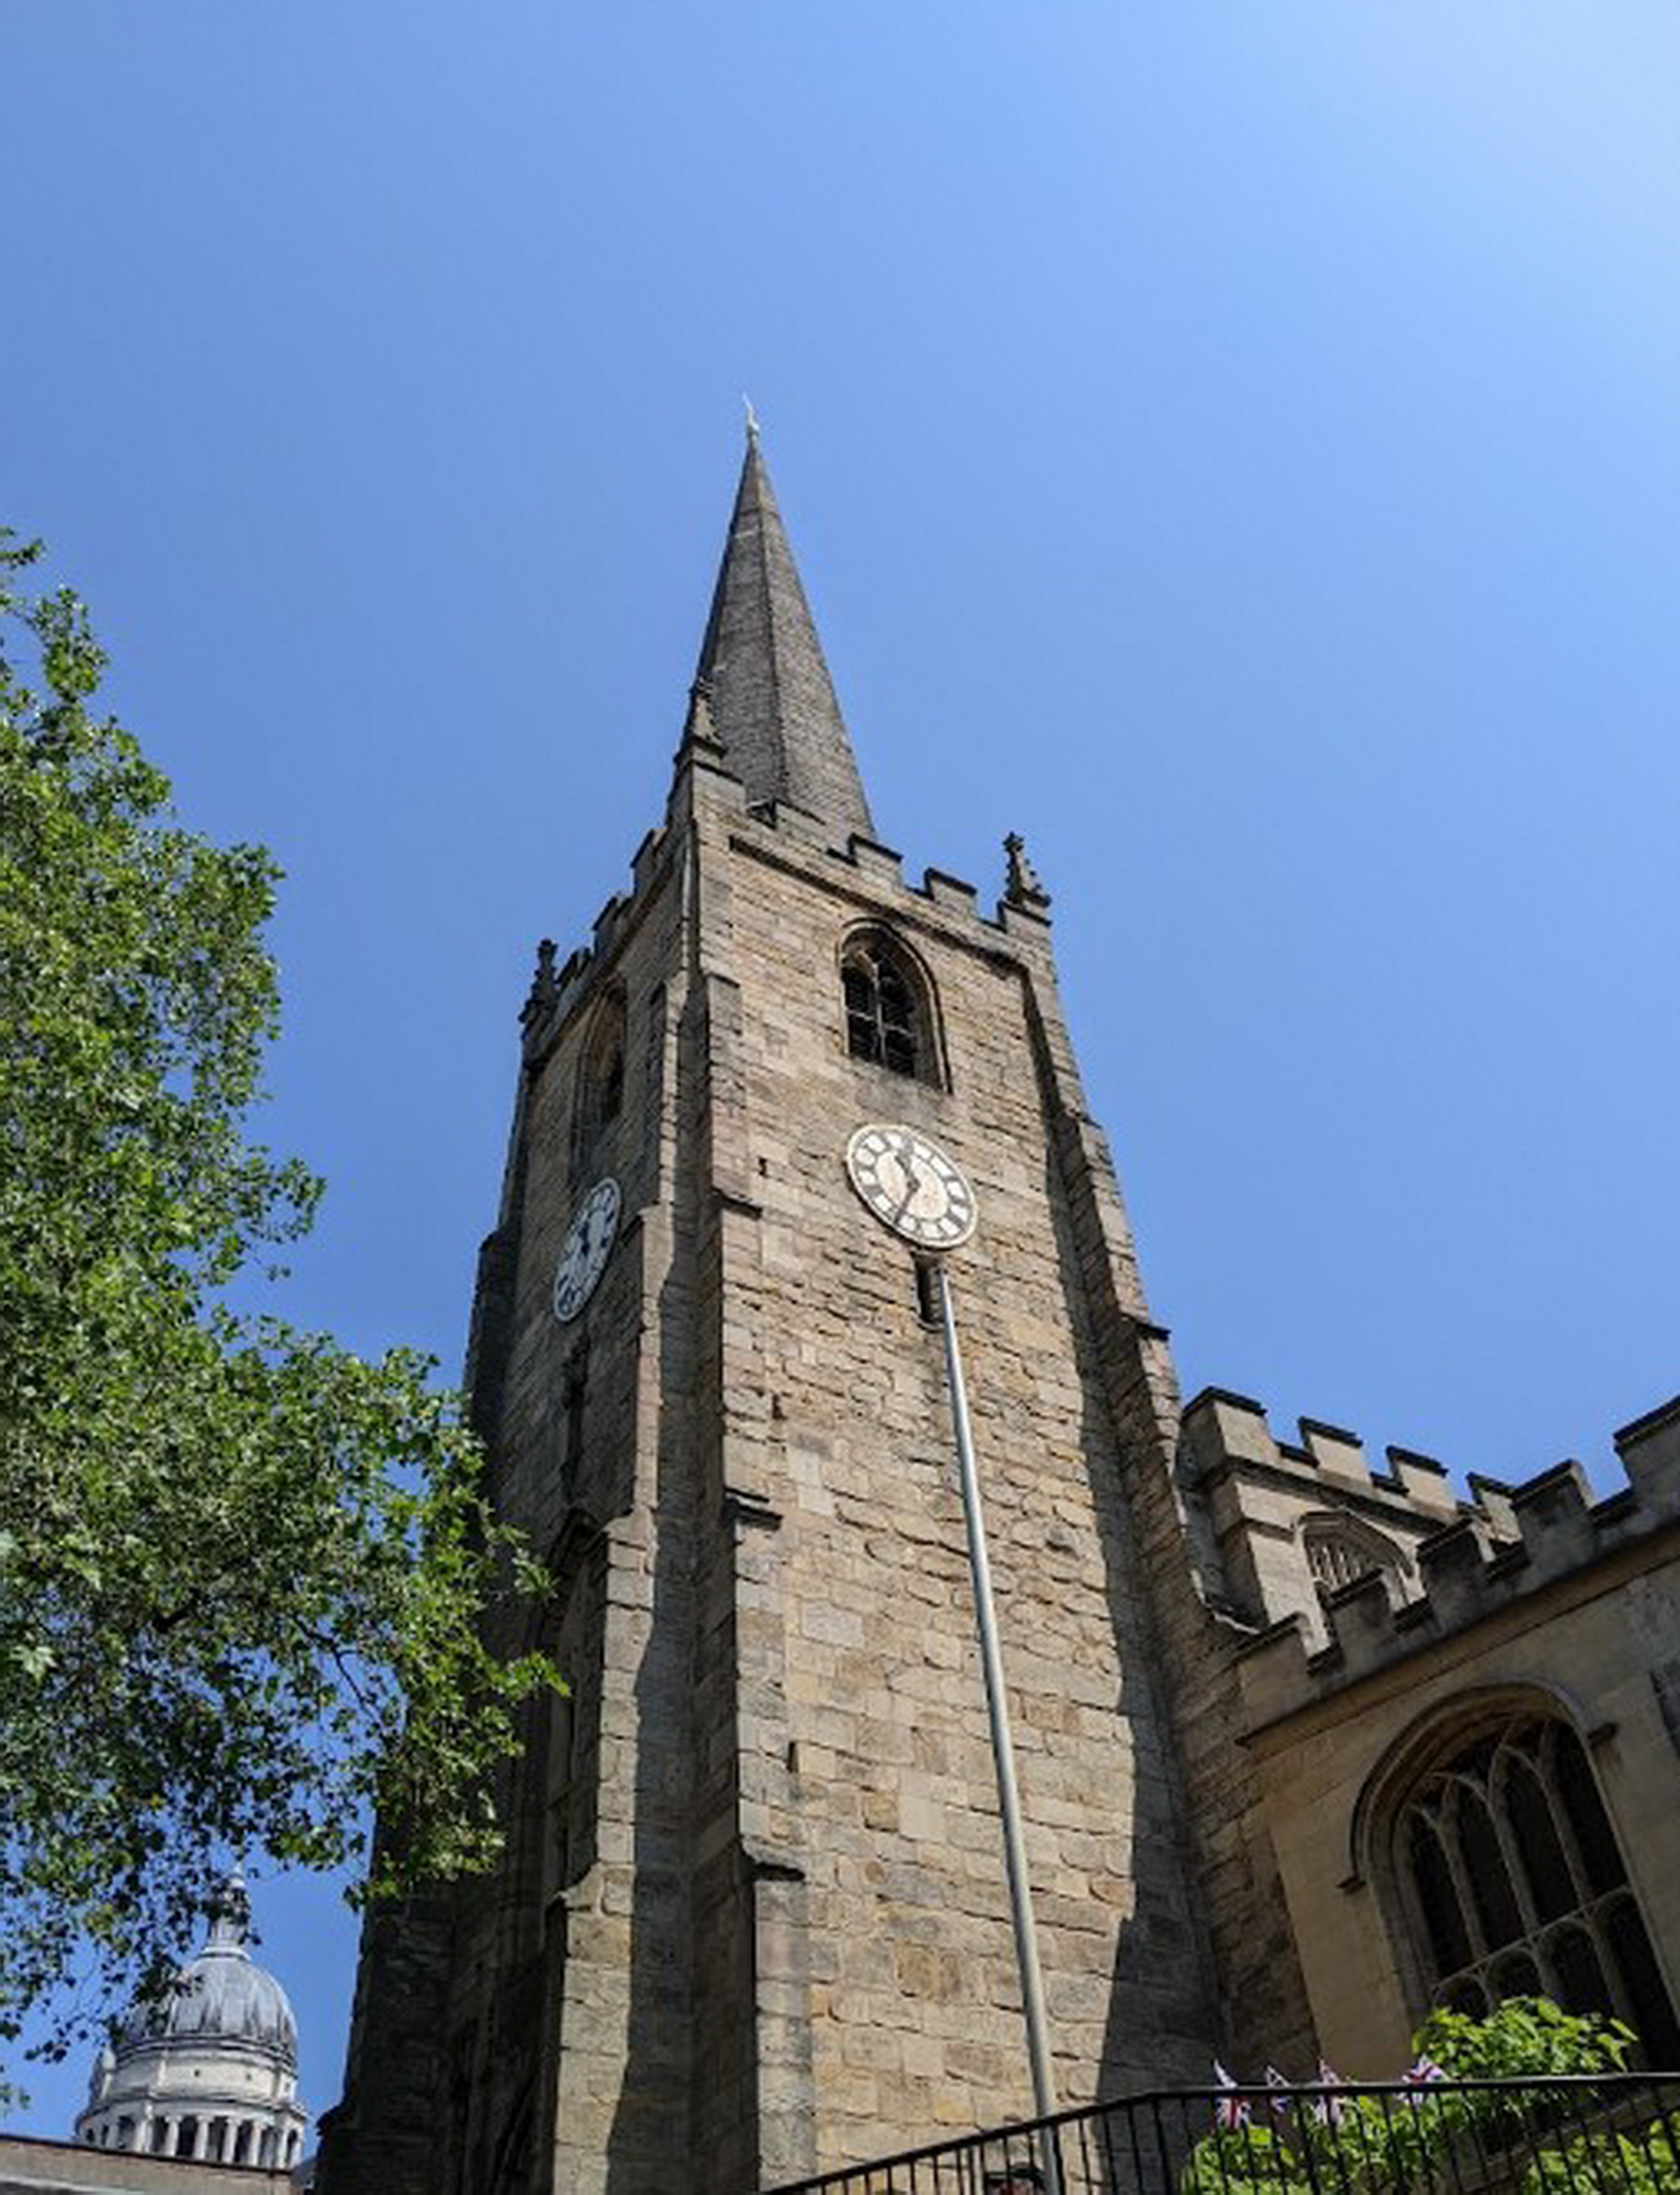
(1231, 2110)
(1275, 2081)
(1328, 2110)
(1425, 2070)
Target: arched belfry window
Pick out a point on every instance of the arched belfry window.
(601, 1080)
(890, 1017)
(1513, 1883)
(1339, 1550)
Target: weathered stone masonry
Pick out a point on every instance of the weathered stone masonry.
(756, 1923)
(752, 1922)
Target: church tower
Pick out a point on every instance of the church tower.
(753, 1921)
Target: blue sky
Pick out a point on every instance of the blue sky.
(1235, 445)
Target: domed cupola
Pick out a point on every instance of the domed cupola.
(210, 2070)
(222, 1995)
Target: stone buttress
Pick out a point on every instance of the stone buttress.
(753, 1919)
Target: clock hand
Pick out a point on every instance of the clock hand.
(913, 1180)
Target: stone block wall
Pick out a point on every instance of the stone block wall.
(1535, 1599)
(754, 1918)
(27, 2167)
(1277, 1508)
(866, 1769)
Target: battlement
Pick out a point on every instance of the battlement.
(880, 869)
(556, 994)
(1293, 1520)
(778, 828)
(1228, 1432)
(1505, 1544)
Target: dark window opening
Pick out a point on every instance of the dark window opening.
(1581, 1978)
(1549, 1885)
(1594, 1837)
(573, 1393)
(600, 1085)
(887, 1019)
(1652, 2015)
(1485, 1863)
(1517, 1976)
(1336, 1554)
(1496, 1846)
(1449, 1940)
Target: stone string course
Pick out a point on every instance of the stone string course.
(753, 1921)
(756, 1923)
(1468, 1561)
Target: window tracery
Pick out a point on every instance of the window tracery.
(1339, 1552)
(888, 1009)
(1513, 1883)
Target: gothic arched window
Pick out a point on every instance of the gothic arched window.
(888, 1014)
(1514, 1884)
(601, 1080)
(1338, 1551)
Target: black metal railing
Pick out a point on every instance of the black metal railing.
(1585, 2134)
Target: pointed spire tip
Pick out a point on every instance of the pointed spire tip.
(770, 700)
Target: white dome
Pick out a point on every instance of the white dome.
(221, 1995)
(210, 2071)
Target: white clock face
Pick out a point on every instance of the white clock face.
(911, 1185)
(589, 1240)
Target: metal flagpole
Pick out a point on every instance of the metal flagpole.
(1002, 1750)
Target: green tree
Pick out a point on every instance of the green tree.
(248, 1581)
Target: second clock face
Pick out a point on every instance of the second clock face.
(588, 1240)
(911, 1185)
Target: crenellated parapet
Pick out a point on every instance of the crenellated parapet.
(861, 870)
(1293, 1520)
(1462, 1563)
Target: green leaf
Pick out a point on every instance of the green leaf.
(248, 1581)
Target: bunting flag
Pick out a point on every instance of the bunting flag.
(1280, 2098)
(1230, 2111)
(1423, 2074)
(1328, 2110)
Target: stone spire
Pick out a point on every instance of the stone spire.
(762, 669)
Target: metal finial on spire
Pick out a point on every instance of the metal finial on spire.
(752, 421)
(773, 704)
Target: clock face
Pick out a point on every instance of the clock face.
(911, 1185)
(588, 1240)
